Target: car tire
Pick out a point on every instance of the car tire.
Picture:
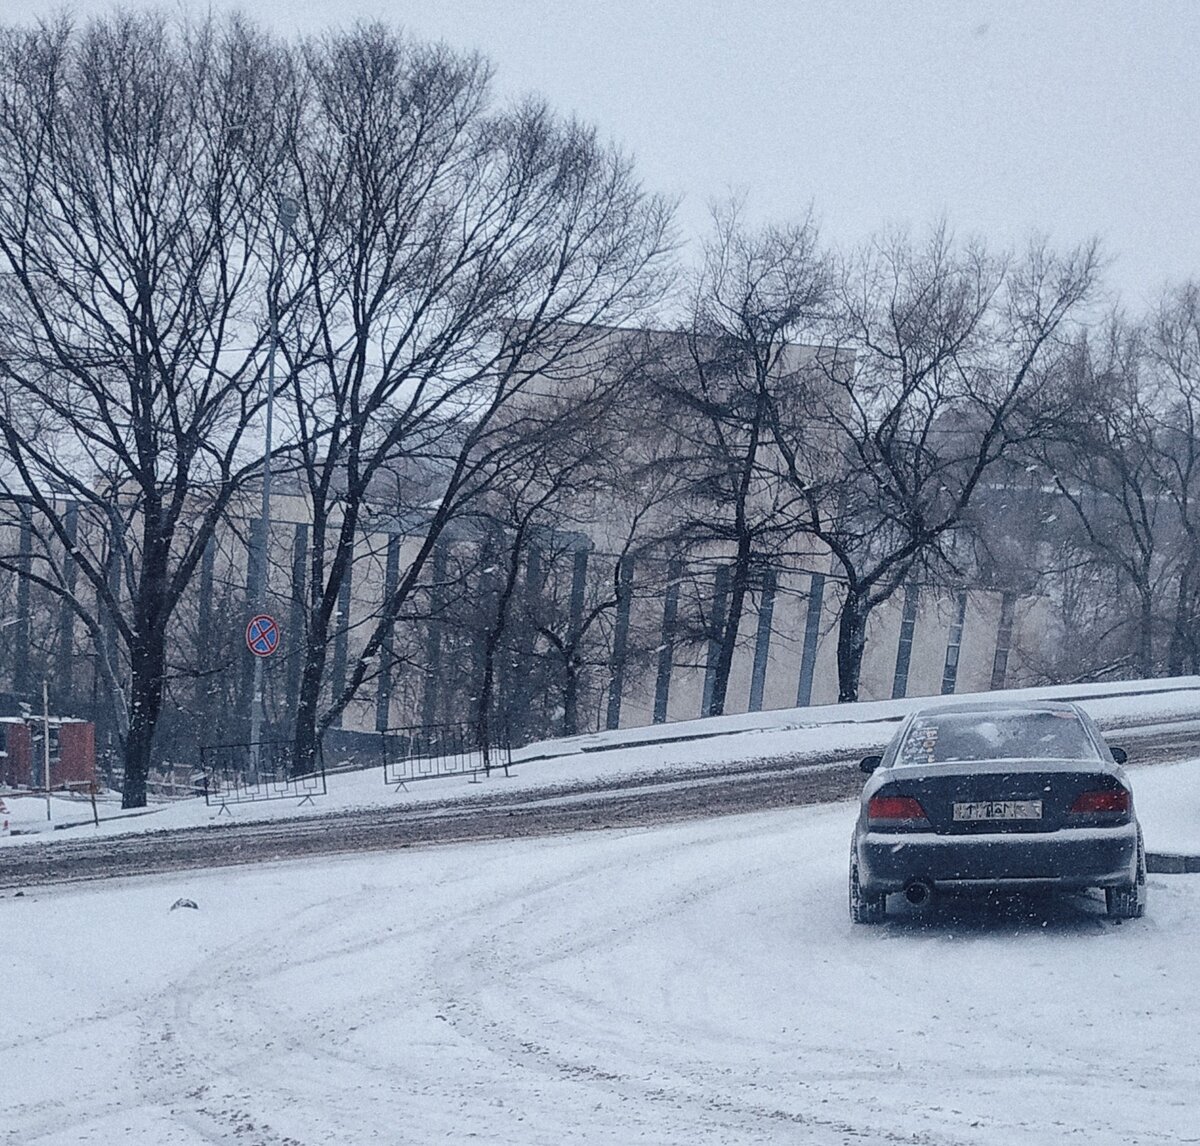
(864, 908)
(1129, 902)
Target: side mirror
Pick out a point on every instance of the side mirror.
(868, 764)
(1118, 754)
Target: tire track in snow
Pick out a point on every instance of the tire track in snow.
(521, 1031)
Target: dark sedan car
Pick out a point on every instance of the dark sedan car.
(996, 797)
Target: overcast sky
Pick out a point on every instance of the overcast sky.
(1071, 117)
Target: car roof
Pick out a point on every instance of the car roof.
(995, 707)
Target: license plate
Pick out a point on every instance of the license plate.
(999, 810)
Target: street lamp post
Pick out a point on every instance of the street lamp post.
(288, 210)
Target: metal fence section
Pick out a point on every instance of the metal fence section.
(424, 752)
(237, 774)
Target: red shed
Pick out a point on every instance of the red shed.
(14, 751)
(72, 751)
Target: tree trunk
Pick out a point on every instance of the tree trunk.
(483, 715)
(1178, 653)
(324, 594)
(852, 643)
(499, 598)
(146, 694)
(738, 588)
(306, 738)
(1145, 653)
(570, 695)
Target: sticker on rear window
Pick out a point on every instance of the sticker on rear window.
(920, 745)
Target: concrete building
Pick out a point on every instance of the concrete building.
(651, 656)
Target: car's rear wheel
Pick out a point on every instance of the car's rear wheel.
(1129, 902)
(864, 908)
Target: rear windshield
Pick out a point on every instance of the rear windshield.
(937, 739)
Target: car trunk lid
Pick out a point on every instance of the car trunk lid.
(1001, 795)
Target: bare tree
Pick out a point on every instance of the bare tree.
(950, 348)
(1173, 351)
(581, 622)
(1103, 459)
(559, 457)
(759, 292)
(134, 198)
(454, 253)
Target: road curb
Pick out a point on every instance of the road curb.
(1167, 863)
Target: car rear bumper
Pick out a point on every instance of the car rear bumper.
(1068, 858)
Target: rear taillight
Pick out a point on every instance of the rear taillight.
(1109, 800)
(895, 808)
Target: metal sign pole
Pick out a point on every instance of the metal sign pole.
(46, 743)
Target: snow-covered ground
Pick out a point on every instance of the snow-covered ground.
(675, 747)
(698, 983)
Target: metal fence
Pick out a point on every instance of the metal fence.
(238, 774)
(425, 752)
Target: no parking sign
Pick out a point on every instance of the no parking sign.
(262, 635)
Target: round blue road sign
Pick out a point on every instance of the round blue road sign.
(262, 635)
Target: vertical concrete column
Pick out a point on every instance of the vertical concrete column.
(812, 636)
(762, 643)
(485, 618)
(570, 683)
(616, 679)
(516, 668)
(666, 649)
(341, 634)
(1008, 607)
(716, 628)
(383, 690)
(204, 617)
(64, 676)
(954, 645)
(204, 629)
(908, 624)
(433, 639)
(579, 570)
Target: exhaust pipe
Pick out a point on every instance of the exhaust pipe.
(918, 892)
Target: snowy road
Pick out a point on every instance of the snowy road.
(572, 804)
(696, 983)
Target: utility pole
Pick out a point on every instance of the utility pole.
(288, 210)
